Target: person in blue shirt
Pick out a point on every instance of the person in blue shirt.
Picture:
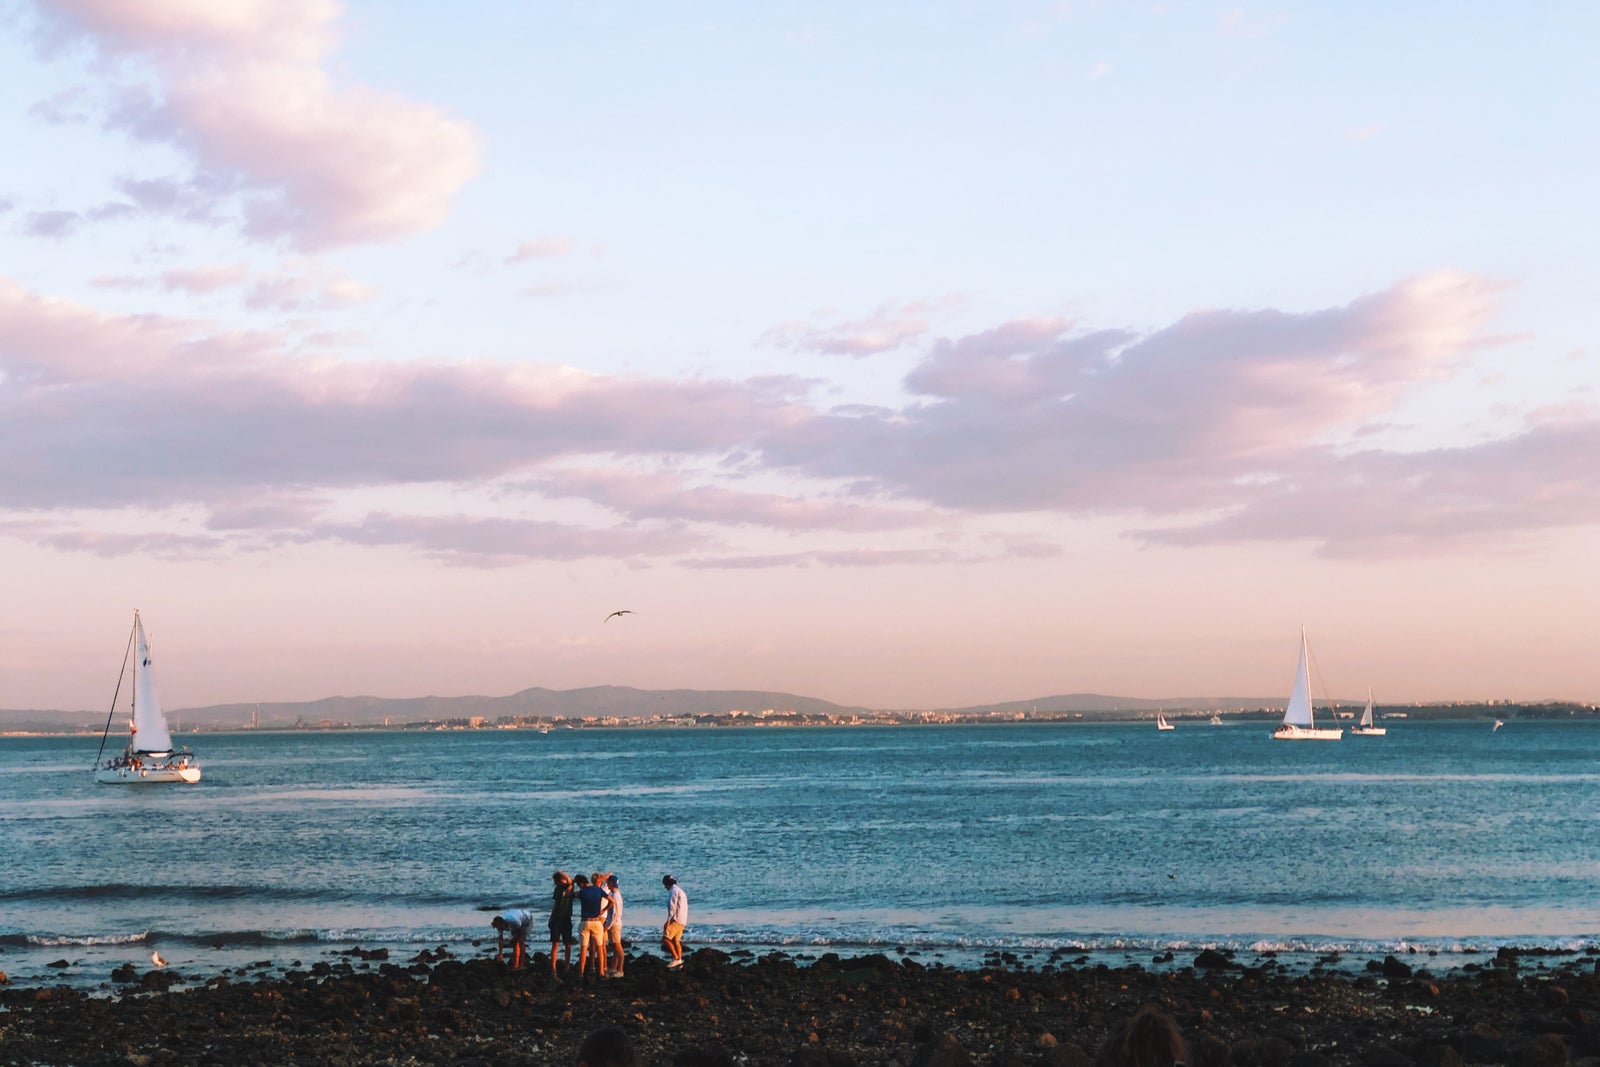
(593, 905)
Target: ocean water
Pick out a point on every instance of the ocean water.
(1111, 841)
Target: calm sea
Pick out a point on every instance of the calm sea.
(1115, 841)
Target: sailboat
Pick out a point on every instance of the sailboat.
(1215, 720)
(1366, 727)
(149, 757)
(1161, 722)
(1299, 723)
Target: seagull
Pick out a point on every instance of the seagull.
(614, 614)
(155, 958)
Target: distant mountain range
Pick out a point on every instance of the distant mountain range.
(595, 702)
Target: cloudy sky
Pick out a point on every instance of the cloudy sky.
(917, 354)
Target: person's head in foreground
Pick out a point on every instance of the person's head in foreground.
(607, 1047)
(1148, 1038)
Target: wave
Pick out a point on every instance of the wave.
(122, 891)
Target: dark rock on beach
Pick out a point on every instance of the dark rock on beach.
(835, 1012)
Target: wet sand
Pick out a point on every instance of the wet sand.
(368, 1009)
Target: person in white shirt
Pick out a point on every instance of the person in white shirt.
(513, 926)
(677, 919)
(614, 924)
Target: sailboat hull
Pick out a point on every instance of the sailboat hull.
(148, 774)
(1290, 732)
(1368, 731)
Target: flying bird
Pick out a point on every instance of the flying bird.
(155, 958)
(614, 614)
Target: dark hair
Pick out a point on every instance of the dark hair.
(1148, 1038)
(582, 879)
(607, 1047)
(667, 879)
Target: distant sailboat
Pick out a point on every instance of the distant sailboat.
(1299, 723)
(1215, 720)
(1162, 723)
(1366, 727)
(1497, 724)
(149, 757)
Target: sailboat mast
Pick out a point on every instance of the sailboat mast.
(121, 674)
(1305, 666)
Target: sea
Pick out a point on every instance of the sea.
(1035, 844)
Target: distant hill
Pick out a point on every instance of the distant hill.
(594, 702)
(600, 702)
(1099, 703)
(622, 702)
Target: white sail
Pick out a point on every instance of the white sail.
(1297, 721)
(1366, 716)
(149, 725)
(1298, 713)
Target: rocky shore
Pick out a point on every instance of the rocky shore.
(829, 1012)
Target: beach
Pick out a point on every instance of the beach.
(872, 1009)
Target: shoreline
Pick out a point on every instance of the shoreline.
(769, 1009)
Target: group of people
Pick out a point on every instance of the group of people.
(599, 901)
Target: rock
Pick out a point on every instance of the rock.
(1393, 968)
(1309, 1059)
(1440, 1056)
(1384, 1056)
(1211, 959)
(1208, 1050)
(1546, 1050)
(816, 1056)
(1066, 1056)
(1263, 1052)
(942, 1051)
(1483, 1044)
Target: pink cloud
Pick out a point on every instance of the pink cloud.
(1033, 416)
(665, 496)
(242, 88)
(54, 225)
(216, 414)
(1225, 425)
(1382, 504)
(204, 279)
(887, 328)
(543, 248)
(488, 542)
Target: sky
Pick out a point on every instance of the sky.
(898, 354)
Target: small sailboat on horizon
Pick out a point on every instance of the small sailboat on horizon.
(149, 757)
(1162, 723)
(1366, 727)
(1299, 721)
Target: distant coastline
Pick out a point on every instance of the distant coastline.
(612, 707)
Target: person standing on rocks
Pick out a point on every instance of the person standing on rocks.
(677, 919)
(592, 907)
(514, 925)
(614, 924)
(561, 920)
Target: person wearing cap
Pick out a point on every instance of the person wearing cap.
(614, 924)
(592, 907)
(677, 919)
(561, 919)
(514, 925)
